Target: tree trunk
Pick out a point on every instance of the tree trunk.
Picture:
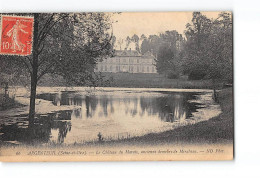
(32, 97)
(34, 74)
(215, 96)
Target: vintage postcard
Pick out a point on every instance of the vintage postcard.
(123, 86)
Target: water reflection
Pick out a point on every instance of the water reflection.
(110, 113)
(40, 131)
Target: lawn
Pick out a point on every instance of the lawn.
(142, 80)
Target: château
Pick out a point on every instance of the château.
(128, 61)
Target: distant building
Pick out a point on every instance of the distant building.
(129, 61)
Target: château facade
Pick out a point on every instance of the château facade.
(128, 61)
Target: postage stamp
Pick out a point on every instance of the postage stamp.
(16, 35)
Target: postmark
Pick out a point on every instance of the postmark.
(16, 35)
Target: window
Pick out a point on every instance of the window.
(142, 69)
(137, 69)
(148, 69)
(105, 68)
(101, 69)
(137, 60)
(152, 69)
(111, 68)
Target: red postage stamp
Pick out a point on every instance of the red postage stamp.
(16, 35)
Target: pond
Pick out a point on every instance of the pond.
(80, 116)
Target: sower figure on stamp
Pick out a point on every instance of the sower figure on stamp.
(14, 32)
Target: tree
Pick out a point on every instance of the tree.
(135, 39)
(145, 46)
(113, 42)
(155, 43)
(167, 48)
(143, 37)
(120, 43)
(168, 61)
(66, 44)
(170, 37)
(127, 41)
(220, 49)
(164, 59)
(208, 51)
(196, 46)
(13, 70)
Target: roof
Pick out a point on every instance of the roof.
(132, 53)
(127, 53)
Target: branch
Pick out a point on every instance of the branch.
(45, 70)
(29, 60)
(44, 35)
(45, 25)
(40, 51)
(28, 67)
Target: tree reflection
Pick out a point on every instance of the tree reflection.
(32, 134)
(63, 127)
(169, 107)
(91, 105)
(38, 132)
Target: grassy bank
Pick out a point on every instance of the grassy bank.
(137, 80)
(7, 103)
(219, 129)
(142, 80)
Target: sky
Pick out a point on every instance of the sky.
(151, 23)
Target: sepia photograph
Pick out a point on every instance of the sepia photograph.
(116, 86)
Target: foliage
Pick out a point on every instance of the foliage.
(75, 45)
(136, 39)
(167, 61)
(208, 50)
(67, 44)
(127, 41)
(167, 49)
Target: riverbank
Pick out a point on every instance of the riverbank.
(8, 103)
(219, 129)
(146, 80)
(138, 80)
